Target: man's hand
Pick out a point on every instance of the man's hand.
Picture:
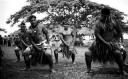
(109, 45)
(47, 42)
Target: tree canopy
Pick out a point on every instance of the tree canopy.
(65, 12)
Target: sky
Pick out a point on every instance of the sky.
(121, 5)
(9, 7)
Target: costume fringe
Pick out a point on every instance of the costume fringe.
(65, 50)
(102, 53)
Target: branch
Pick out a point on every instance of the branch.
(1, 29)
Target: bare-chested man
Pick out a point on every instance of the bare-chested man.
(35, 37)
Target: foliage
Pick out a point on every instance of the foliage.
(71, 12)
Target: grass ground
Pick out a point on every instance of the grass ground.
(64, 69)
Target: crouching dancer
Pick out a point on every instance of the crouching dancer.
(17, 48)
(40, 56)
(105, 47)
(36, 49)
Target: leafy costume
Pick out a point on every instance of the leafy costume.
(111, 33)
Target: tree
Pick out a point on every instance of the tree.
(66, 12)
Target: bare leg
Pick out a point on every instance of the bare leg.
(56, 55)
(88, 59)
(119, 60)
(49, 62)
(27, 63)
(73, 58)
(124, 55)
(17, 55)
(26, 60)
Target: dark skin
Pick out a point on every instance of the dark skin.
(27, 38)
(24, 39)
(65, 46)
(98, 35)
(34, 24)
(47, 58)
(105, 37)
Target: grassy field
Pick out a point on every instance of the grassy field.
(64, 69)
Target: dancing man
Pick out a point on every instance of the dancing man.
(36, 36)
(105, 47)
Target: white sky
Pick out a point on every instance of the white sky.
(121, 5)
(9, 7)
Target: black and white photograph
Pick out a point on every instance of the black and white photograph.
(64, 39)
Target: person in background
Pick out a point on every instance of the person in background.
(1, 40)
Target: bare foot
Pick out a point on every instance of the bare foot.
(89, 71)
(52, 71)
(17, 61)
(73, 62)
(125, 73)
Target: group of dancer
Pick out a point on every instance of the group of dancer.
(105, 48)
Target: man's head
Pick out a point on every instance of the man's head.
(22, 26)
(32, 18)
(105, 12)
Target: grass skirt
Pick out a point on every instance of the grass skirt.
(101, 52)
